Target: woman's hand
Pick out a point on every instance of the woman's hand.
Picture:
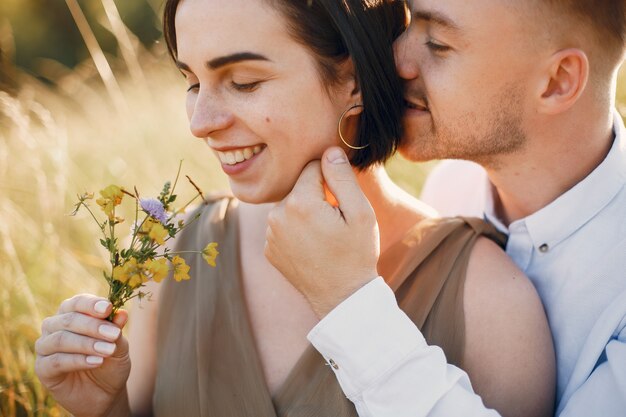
(82, 358)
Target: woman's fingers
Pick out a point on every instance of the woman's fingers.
(68, 342)
(57, 364)
(82, 324)
(87, 304)
(79, 337)
(120, 318)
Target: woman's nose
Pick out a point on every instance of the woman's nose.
(207, 116)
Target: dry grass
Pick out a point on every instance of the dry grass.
(53, 145)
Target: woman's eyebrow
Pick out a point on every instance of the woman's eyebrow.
(222, 61)
(225, 60)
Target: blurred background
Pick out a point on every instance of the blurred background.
(88, 97)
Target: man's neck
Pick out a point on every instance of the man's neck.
(551, 165)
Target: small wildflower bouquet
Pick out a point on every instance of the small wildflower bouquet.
(146, 258)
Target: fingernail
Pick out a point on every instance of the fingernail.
(110, 332)
(101, 306)
(336, 156)
(94, 360)
(104, 347)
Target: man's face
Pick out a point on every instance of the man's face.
(467, 66)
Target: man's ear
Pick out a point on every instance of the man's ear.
(566, 77)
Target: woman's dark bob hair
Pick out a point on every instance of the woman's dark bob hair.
(335, 30)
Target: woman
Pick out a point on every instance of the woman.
(268, 83)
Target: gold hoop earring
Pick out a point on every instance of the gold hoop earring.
(356, 148)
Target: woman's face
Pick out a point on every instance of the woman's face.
(255, 94)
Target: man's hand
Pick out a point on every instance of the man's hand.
(326, 252)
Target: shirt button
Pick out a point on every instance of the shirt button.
(544, 248)
(333, 364)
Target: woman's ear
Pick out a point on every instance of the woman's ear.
(349, 85)
(566, 77)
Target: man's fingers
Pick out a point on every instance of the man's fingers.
(342, 182)
(310, 183)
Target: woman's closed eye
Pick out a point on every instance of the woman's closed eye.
(245, 87)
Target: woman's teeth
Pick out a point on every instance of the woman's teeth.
(240, 155)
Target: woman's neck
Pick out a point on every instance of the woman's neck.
(396, 210)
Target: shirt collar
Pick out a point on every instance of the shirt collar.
(561, 218)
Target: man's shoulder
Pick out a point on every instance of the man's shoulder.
(456, 188)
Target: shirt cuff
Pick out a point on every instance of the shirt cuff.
(365, 337)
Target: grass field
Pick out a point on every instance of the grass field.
(81, 136)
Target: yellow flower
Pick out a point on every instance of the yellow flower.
(210, 253)
(181, 269)
(158, 233)
(157, 268)
(111, 197)
(130, 273)
(155, 230)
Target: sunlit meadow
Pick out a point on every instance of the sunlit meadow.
(110, 120)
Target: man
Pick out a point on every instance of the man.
(526, 89)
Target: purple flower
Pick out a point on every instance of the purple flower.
(154, 208)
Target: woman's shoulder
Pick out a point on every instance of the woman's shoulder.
(454, 234)
(508, 345)
(494, 281)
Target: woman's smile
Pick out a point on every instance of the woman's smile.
(232, 156)
(235, 160)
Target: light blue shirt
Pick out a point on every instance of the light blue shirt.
(573, 250)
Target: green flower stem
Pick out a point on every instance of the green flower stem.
(178, 253)
(180, 166)
(101, 226)
(137, 231)
(190, 201)
(112, 235)
(132, 243)
(185, 224)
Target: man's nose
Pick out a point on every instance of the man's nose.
(406, 56)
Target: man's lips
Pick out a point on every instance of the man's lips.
(417, 105)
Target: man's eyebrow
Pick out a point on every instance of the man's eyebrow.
(436, 18)
(223, 61)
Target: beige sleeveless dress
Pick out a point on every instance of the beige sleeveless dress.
(207, 362)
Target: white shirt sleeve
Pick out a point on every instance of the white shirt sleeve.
(384, 365)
